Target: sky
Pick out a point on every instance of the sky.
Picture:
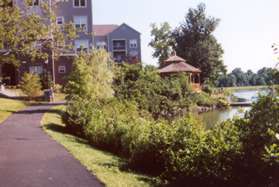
(247, 30)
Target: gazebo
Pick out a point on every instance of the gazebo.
(175, 64)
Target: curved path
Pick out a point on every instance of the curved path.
(29, 158)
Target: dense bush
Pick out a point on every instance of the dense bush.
(31, 85)
(260, 141)
(242, 152)
(90, 83)
(163, 97)
(111, 126)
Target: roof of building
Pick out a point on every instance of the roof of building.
(103, 30)
(178, 64)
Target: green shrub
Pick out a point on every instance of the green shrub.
(222, 103)
(89, 85)
(31, 85)
(207, 89)
(57, 88)
(202, 99)
(110, 124)
(163, 97)
(78, 114)
(172, 144)
(258, 136)
(149, 153)
(91, 77)
(184, 154)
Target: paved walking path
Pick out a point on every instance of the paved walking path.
(29, 158)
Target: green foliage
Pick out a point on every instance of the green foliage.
(260, 142)
(31, 85)
(89, 84)
(241, 152)
(91, 77)
(18, 33)
(195, 42)
(265, 76)
(203, 99)
(162, 97)
(111, 126)
(162, 41)
(25, 35)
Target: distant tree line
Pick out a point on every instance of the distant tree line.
(265, 76)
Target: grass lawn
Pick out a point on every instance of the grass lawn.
(59, 97)
(9, 106)
(105, 166)
(245, 88)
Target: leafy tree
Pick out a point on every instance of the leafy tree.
(91, 76)
(31, 85)
(162, 41)
(28, 36)
(265, 76)
(19, 33)
(195, 42)
(90, 83)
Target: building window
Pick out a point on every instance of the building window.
(36, 70)
(133, 43)
(62, 69)
(81, 45)
(80, 23)
(80, 3)
(34, 3)
(60, 20)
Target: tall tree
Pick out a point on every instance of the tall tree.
(162, 41)
(26, 35)
(196, 43)
(19, 34)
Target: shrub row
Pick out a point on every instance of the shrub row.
(183, 152)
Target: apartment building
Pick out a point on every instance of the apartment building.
(122, 41)
(78, 12)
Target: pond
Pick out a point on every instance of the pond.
(212, 118)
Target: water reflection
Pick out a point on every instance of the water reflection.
(214, 117)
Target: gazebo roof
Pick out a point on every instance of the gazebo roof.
(177, 67)
(174, 58)
(178, 64)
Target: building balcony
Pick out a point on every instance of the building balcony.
(119, 45)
